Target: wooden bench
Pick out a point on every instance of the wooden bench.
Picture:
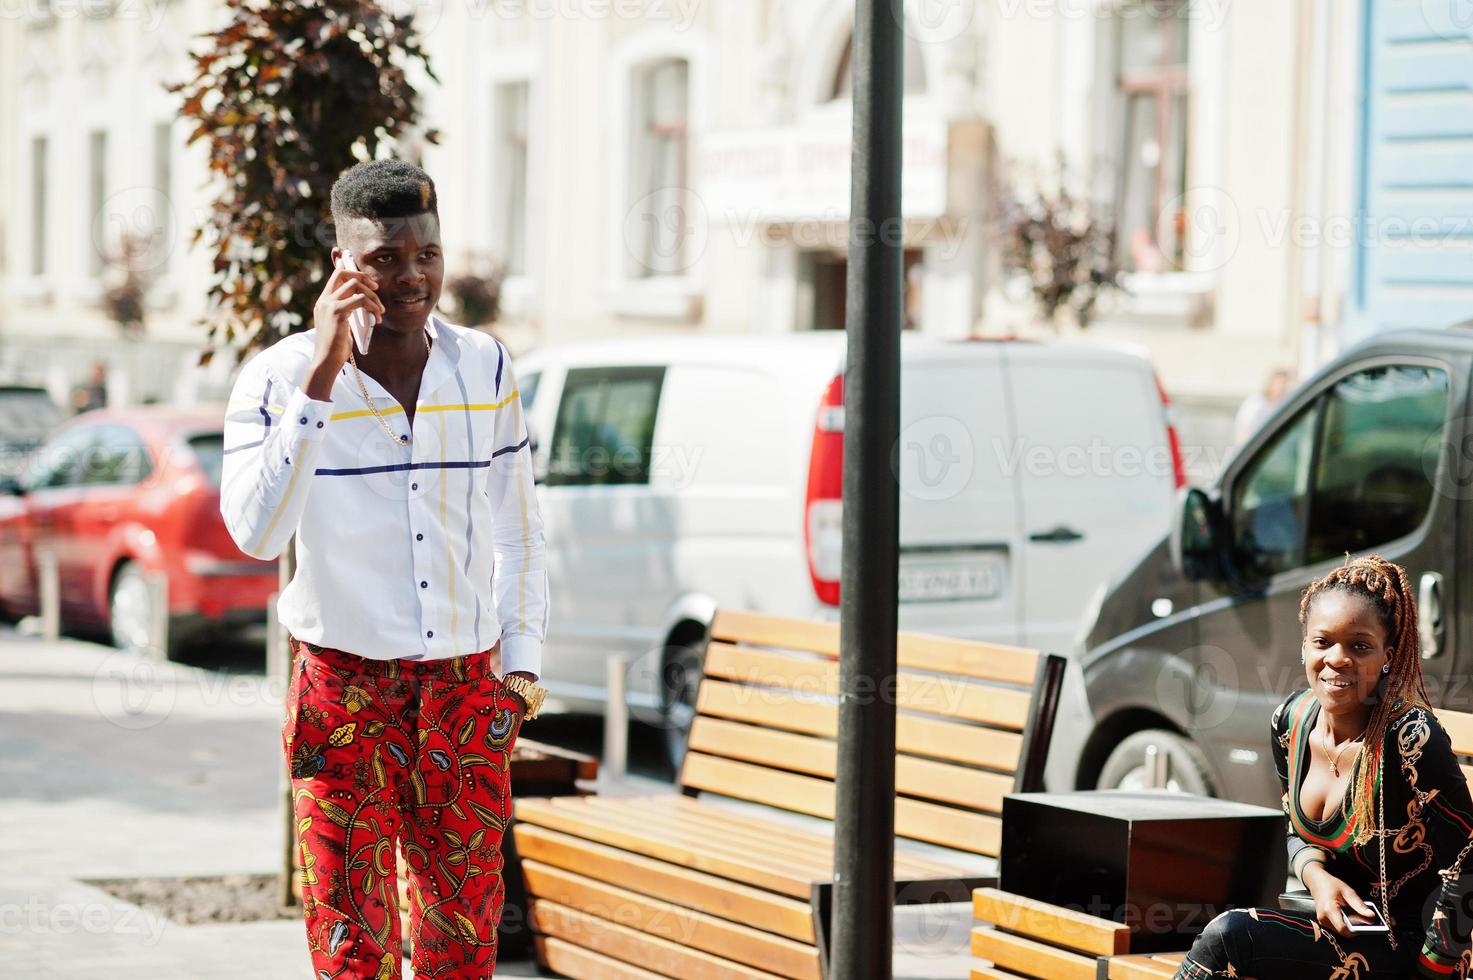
(1022, 937)
(718, 882)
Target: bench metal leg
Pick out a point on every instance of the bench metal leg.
(930, 891)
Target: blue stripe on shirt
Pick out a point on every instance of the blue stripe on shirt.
(453, 464)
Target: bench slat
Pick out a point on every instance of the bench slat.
(633, 946)
(818, 680)
(984, 661)
(692, 831)
(1032, 959)
(671, 922)
(583, 824)
(1459, 727)
(1158, 966)
(1050, 923)
(971, 788)
(915, 734)
(668, 882)
(576, 963)
(725, 818)
(916, 819)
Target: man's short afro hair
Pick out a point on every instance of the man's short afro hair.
(381, 189)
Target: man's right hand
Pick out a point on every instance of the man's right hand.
(344, 292)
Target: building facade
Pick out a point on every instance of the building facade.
(639, 166)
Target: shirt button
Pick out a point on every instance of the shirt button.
(424, 585)
(429, 633)
(414, 486)
(403, 438)
(419, 537)
(319, 425)
(304, 420)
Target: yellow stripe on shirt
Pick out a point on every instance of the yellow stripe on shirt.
(457, 407)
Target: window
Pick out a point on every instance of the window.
(209, 452)
(97, 184)
(1150, 39)
(1378, 459)
(605, 427)
(1271, 501)
(914, 68)
(163, 176)
(510, 218)
(659, 237)
(60, 461)
(116, 457)
(38, 206)
(1352, 472)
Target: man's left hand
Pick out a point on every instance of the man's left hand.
(522, 704)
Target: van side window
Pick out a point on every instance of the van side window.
(1377, 459)
(605, 427)
(1353, 471)
(1271, 501)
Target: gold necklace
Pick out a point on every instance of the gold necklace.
(364, 389)
(1333, 759)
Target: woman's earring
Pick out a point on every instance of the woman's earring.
(1385, 668)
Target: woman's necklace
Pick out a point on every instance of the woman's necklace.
(1335, 758)
(381, 420)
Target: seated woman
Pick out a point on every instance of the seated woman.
(1376, 802)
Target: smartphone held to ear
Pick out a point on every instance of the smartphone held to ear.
(1356, 922)
(358, 320)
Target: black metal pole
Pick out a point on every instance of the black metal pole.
(864, 853)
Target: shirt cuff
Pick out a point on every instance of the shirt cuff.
(521, 653)
(306, 417)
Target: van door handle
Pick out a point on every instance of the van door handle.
(1429, 614)
(1059, 535)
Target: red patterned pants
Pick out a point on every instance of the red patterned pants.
(409, 752)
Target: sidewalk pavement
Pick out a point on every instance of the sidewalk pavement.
(113, 767)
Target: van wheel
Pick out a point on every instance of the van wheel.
(680, 680)
(1186, 765)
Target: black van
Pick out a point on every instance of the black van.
(1194, 645)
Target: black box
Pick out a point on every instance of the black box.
(1164, 864)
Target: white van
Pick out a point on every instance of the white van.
(679, 474)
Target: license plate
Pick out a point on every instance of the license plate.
(942, 581)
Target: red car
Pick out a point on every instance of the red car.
(118, 497)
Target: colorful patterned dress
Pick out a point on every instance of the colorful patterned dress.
(1429, 821)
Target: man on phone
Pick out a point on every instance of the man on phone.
(419, 605)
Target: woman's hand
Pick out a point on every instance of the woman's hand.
(1333, 899)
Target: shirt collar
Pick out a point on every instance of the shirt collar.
(444, 355)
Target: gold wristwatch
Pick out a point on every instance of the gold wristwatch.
(528, 691)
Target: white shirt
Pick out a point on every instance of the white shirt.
(428, 548)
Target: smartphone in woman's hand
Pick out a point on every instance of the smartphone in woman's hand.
(358, 319)
(1356, 922)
